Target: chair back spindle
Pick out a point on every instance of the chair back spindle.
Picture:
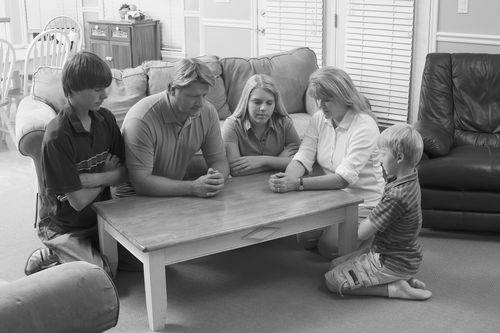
(49, 48)
(7, 60)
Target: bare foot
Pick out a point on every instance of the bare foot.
(403, 289)
(416, 283)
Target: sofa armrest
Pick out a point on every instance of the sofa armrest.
(72, 297)
(32, 118)
(437, 140)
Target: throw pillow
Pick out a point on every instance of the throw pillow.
(127, 88)
(47, 87)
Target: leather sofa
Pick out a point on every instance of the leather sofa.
(290, 70)
(459, 120)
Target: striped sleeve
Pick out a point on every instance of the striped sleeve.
(388, 210)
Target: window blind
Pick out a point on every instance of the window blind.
(378, 54)
(290, 24)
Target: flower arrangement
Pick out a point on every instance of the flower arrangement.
(124, 6)
(136, 15)
(123, 10)
(130, 12)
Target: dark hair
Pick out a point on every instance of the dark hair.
(85, 70)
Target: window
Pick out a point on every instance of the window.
(378, 54)
(285, 25)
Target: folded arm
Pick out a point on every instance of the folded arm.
(246, 165)
(113, 174)
(83, 197)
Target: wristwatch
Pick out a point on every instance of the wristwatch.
(301, 184)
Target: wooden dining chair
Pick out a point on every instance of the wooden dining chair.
(7, 60)
(49, 48)
(71, 27)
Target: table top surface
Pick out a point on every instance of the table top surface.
(244, 203)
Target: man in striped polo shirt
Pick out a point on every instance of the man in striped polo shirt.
(387, 267)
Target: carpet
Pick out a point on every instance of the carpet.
(276, 286)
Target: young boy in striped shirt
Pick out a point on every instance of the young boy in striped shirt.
(387, 267)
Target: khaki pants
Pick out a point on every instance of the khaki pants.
(78, 245)
(361, 268)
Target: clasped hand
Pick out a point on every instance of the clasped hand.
(282, 183)
(208, 185)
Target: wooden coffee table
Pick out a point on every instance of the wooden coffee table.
(165, 231)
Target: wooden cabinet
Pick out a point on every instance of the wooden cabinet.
(124, 44)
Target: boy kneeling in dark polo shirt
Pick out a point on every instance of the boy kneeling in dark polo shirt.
(82, 155)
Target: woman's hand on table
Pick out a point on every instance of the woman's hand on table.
(282, 183)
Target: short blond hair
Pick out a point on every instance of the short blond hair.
(189, 70)
(403, 139)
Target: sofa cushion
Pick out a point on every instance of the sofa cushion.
(460, 201)
(290, 70)
(465, 168)
(127, 88)
(47, 87)
(476, 99)
(160, 75)
(300, 122)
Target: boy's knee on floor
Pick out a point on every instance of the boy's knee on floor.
(329, 251)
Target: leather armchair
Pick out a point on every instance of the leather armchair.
(459, 120)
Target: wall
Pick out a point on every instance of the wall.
(477, 31)
(226, 28)
(12, 9)
(39, 12)
(192, 27)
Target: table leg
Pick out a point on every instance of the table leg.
(155, 285)
(108, 245)
(348, 231)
